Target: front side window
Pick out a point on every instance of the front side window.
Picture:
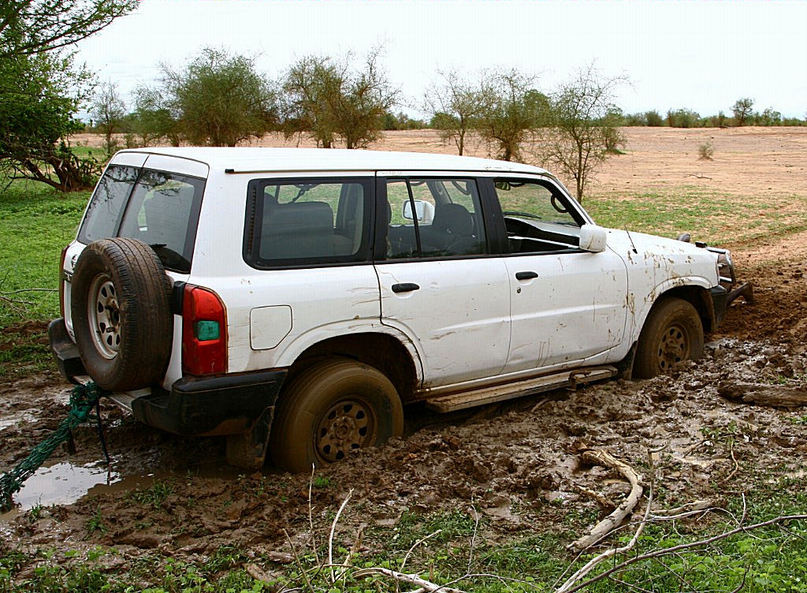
(538, 216)
(431, 217)
(307, 222)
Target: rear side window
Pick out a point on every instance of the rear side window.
(156, 207)
(307, 222)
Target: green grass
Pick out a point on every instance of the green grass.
(36, 223)
(709, 216)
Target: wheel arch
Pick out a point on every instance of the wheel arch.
(698, 297)
(379, 350)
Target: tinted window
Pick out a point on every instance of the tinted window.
(162, 212)
(433, 218)
(311, 221)
(106, 207)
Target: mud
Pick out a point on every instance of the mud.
(518, 463)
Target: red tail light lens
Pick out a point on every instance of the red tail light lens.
(204, 332)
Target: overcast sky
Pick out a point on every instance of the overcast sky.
(697, 54)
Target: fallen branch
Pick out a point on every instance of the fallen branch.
(675, 549)
(411, 579)
(774, 396)
(333, 529)
(607, 525)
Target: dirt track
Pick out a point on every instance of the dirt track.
(518, 463)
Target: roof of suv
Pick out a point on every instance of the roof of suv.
(319, 159)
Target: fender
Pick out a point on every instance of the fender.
(641, 309)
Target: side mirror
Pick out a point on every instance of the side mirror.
(593, 238)
(423, 210)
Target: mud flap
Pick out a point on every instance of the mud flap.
(248, 450)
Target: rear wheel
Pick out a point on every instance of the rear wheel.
(672, 334)
(331, 409)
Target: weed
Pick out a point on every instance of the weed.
(321, 482)
(154, 495)
(706, 151)
(96, 523)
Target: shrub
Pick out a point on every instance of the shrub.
(706, 151)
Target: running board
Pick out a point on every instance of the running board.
(503, 392)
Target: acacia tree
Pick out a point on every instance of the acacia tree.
(30, 27)
(329, 99)
(454, 104)
(109, 111)
(220, 98)
(583, 127)
(509, 110)
(742, 108)
(39, 97)
(154, 118)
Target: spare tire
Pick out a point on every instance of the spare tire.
(121, 311)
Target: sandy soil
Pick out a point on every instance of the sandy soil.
(518, 463)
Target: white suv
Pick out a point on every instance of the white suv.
(294, 300)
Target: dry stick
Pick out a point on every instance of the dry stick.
(679, 547)
(591, 564)
(736, 465)
(299, 564)
(333, 529)
(608, 524)
(411, 579)
(473, 540)
(415, 545)
(311, 515)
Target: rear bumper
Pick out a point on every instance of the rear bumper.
(211, 406)
(195, 406)
(65, 351)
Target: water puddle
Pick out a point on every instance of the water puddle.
(62, 483)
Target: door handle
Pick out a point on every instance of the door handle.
(405, 287)
(526, 275)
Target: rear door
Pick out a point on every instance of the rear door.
(439, 283)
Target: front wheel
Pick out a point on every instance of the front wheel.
(331, 409)
(672, 334)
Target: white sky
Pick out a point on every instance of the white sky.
(701, 54)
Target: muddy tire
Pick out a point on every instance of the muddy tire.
(332, 408)
(121, 314)
(672, 334)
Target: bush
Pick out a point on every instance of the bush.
(653, 118)
(706, 151)
(683, 118)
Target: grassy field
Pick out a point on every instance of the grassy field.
(36, 223)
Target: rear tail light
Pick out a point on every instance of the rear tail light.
(62, 281)
(204, 332)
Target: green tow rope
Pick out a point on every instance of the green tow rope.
(83, 399)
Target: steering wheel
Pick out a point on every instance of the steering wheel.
(557, 205)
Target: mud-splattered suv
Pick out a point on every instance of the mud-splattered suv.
(295, 300)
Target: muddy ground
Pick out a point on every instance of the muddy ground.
(517, 463)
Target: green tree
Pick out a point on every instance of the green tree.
(510, 109)
(743, 109)
(653, 118)
(153, 118)
(584, 127)
(109, 113)
(454, 104)
(39, 97)
(329, 100)
(29, 27)
(220, 98)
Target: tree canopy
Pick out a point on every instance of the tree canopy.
(30, 27)
(219, 98)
